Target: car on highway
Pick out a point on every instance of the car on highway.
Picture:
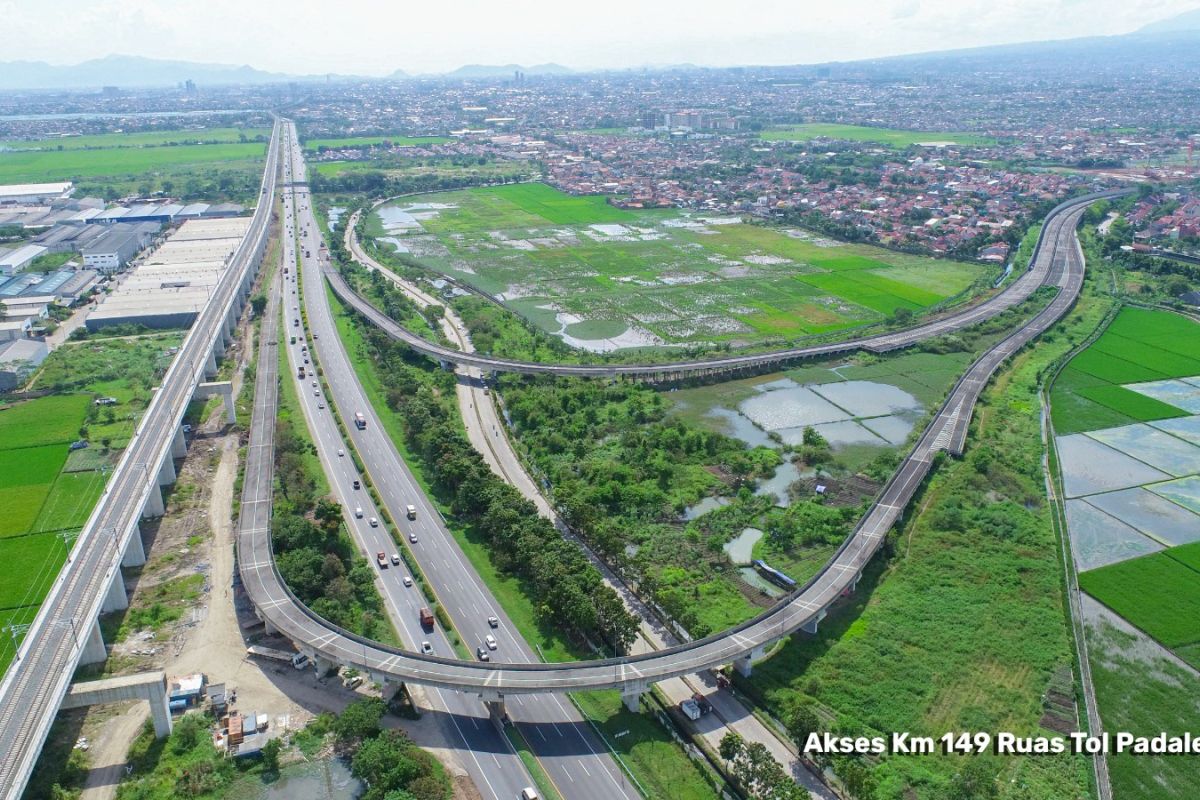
(358, 512)
(412, 537)
(528, 793)
(490, 641)
(341, 453)
(357, 483)
(314, 383)
(427, 648)
(321, 405)
(374, 522)
(493, 622)
(482, 654)
(407, 581)
(395, 559)
(381, 559)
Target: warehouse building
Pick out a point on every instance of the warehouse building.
(172, 284)
(120, 243)
(16, 260)
(18, 359)
(19, 193)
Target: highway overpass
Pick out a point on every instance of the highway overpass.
(65, 632)
(1058, 262)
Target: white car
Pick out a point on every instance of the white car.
(374, 522)
(407, 581)
(412, 537)
(358, 513)
(490, 641)
(396, 559)
(341, 453)
(427, 648)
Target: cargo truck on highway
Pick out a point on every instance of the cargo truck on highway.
(426, 618)
(360, 421)
(300, 372)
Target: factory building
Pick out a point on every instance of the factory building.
(22, 193)
(172, 284)
(15, 260)
(18, 359)
(114, 249)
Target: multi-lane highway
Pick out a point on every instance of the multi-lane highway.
(1057, 262)
(1015, 294)
(65, 627)
(571, 754)
(484, 752)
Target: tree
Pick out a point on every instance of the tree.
(258, 302)
(270, 755)
(359, 720)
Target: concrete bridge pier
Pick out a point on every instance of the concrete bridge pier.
(166, 472)
(494, 703)
(179, 444)
(631, 696)
(323, 666)
(223, 388)
(745, 664)
(154, 504)
(94, 651)
(115, 598)
(135, 551)
(210, 366)
(149, 686)
(810, 627)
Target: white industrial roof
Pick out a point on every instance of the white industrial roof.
(18, 189)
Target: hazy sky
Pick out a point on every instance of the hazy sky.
(374, 37)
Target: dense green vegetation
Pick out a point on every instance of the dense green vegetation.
(974, 565)
(319, 145)
(580, 267)
(1144, 694)
(1158, 593)
(892, 137)
(1139, 345)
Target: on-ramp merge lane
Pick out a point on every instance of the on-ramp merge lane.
(1060, 263)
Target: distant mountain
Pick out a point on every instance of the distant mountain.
(506, 70)
(131, 72)
(1187, 21)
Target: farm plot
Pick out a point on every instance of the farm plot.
(51, 165)
(602, 277)
(368, 141)
(892, 137)
(1157, 593)
(143, 139)
(44, 421)
(1126, 375)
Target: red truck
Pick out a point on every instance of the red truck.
(426, 618)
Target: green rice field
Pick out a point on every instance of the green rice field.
(892, 137)
(139, 139)
(607, 278)
(39, 166)
(1159, 593)
(1139, 345)
(366, 141)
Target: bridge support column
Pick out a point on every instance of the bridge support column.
(166, 472)
(115, 598)
(135, 551)
(323, 666)
(179, 444)
(210, 366)
(494, 703)
(853, 584)
(154, 504)
(631, 696)
(160, 712)
(223, 388)
(94, 651)
(745, 664)
(810, 627)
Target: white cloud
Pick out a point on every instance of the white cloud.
(372, 37)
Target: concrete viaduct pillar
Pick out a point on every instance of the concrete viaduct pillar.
(149, 686)
(135, 551)
(115, 598)
(744, 665)
(210, 366)
(166, 472)
(154, 504)
(94, 651)
(631, 696)
(494, 703)
(223, 388)
(178, 444)
(810, 627)
(323, 666)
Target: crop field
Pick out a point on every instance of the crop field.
(140, 139)
(366, 141)
(44, 421)
(1139, 345)
(605, 278)
(35, 166)
(892, 137)
(1158, 593)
